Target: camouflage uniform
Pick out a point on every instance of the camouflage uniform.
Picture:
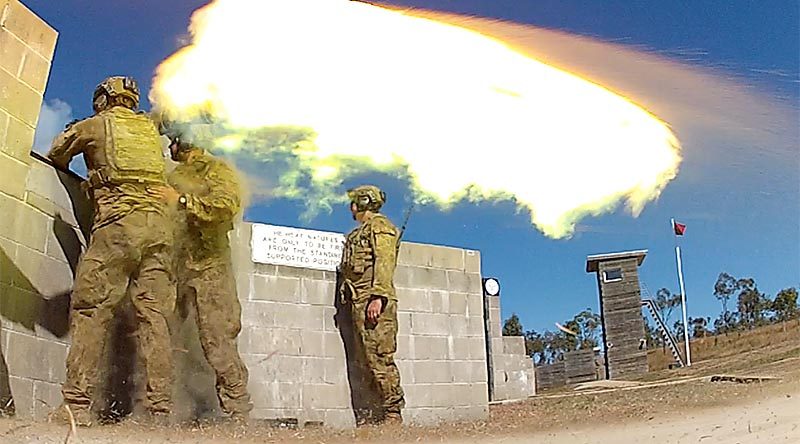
(129, 252)
(367, 272)
(210, 201)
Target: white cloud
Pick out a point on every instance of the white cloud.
(55, 114)
(53, 117)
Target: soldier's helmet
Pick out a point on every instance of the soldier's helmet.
(367, 197)
(114, 87)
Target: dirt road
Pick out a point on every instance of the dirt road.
(771, 420)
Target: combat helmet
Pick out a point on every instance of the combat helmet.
(112, 88)
(367, 197)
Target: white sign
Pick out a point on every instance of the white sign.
(295, 247)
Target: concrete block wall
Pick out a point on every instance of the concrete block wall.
(35, 270)
(294, 337)
(513, 375)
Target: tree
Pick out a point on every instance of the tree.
(678, 330)
(535, 346)
(666, 303)
(587, 325)
(785, 305)
(512, 326)
(726, 322)
(699, 327)
(724, 288)
(752, 304)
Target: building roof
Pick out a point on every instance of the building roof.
(593, 260)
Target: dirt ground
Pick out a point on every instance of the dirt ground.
(678, 406)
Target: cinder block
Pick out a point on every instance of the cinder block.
(22, 390)
(4, 117)
(460, 281)
(316, 292)
(476, 326)
(430, 324)
(257, 314)
(432, 372)
(472, 261)
(457, 303)
(329, 319)
(313, 343)
(314, 370)
(477, 348)
(459, 325)
(245, 286)
(416, 300)
(42, 274)
(440, 301)
(31, 29)
(514, 345)
(276, 288)
(334, 347)
(430, 347)
(420, 277)
(31, 357)
(19, 140)
(335, 371)
(418, 395)
(404, 322)
(271, 340)
(405, 346)
(19, 99)
(32, 228)
(14, 175)
(475, 304)
(47, 398)
(240, 246)
(8, 256)
(459, 348)
(325, 396)
(265, 269)
(313, 317)
(11, 51)
(406, 369)
(493, 302)
(289, 315)
(339, 418)
(35, 70)
(296, 272)
(434, 256)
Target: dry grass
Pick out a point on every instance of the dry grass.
(731, 344)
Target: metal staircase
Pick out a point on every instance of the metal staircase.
(668, 338)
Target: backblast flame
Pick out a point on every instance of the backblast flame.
(463, 115)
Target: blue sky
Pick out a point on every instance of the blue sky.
(745, 221)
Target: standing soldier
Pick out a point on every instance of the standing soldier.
(207, 193)
(367, 273)
(130, 250)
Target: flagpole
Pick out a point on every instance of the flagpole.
(683, 297)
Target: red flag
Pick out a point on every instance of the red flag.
(679, 228)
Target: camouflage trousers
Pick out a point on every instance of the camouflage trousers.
(375, 346)
(129, 257)
(210, 287)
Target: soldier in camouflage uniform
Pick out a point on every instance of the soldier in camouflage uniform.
(367, 273)
(130, 250)
(207, 193)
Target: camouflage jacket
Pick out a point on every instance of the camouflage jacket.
(89, 137)
(213, 201)
(370, 258)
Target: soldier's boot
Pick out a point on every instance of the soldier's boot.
(393, 418)
(66, 413)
